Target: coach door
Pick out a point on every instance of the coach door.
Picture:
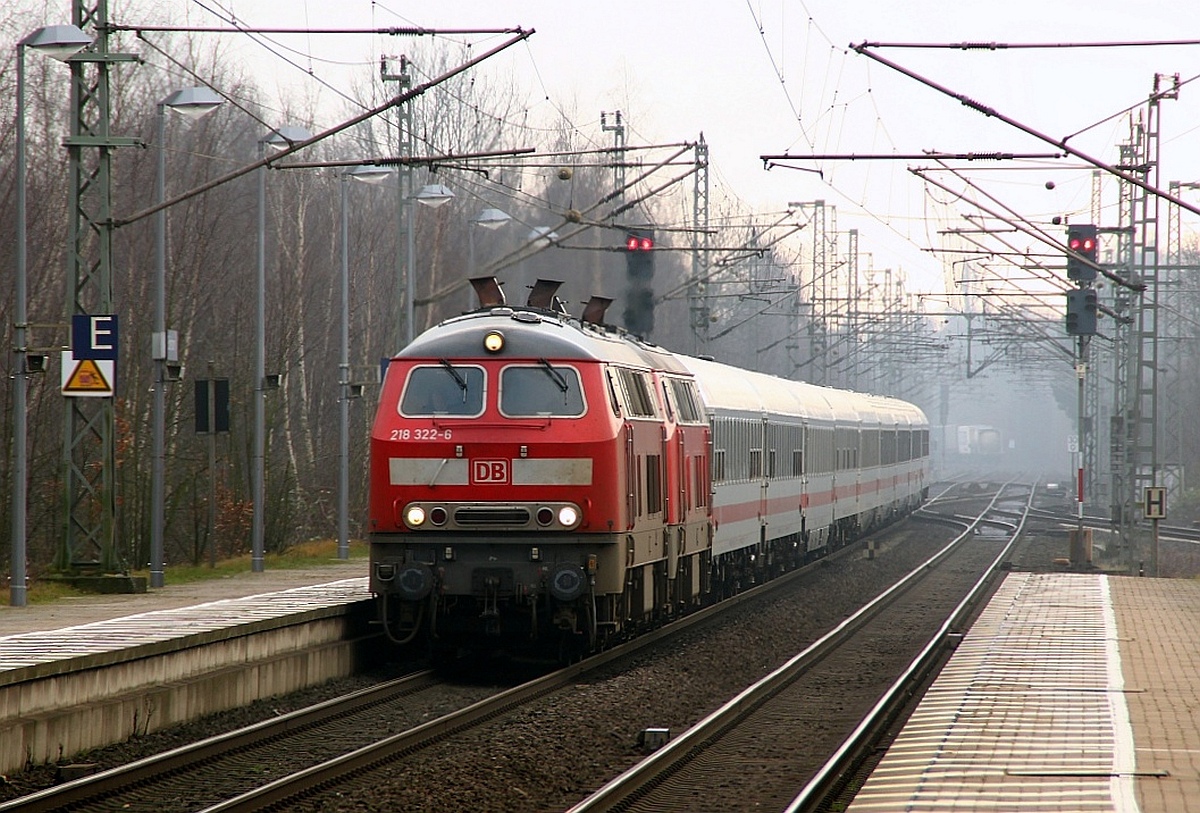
(759, 459)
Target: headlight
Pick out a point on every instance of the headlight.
(568, 515)
(414, 516)
(493, 342)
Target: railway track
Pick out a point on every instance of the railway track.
(755, 746)
(317, 745)
(212, 768)
(255, 782)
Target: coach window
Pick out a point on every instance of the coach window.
(443, 389)
(756, 458)
(544, 390)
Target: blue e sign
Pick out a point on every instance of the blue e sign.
(94, 336)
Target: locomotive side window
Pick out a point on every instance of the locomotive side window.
(542, 390)
(614, 392)
(639, 397)
(443, 389)
(654, 495)
(672, 410)
(687, 401)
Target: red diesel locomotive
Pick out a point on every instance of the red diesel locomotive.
(542, 482)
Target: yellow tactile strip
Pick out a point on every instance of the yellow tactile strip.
(1029, 714)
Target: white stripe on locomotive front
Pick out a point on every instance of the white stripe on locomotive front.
(546, 471)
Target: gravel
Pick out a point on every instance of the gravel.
(551, 756)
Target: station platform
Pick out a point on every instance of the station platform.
(87, 609)
(1071, 692)
(88, 671)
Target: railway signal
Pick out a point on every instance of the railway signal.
(1081, 312)
(1082, 241)
(639, 269)
(639, 253)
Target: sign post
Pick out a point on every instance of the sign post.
(1154, 507)
(212, 417)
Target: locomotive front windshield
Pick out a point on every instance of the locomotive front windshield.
(445, 389)
(545, 389)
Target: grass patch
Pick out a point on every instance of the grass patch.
(313, 553)
(44, 592)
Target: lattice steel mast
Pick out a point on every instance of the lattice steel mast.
(89, 452)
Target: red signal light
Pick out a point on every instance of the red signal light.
(634, 242)
(1083, 245)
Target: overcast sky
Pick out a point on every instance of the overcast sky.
(776, 76)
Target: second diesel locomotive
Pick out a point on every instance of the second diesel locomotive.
(544, 482)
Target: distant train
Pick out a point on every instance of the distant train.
(550, 483)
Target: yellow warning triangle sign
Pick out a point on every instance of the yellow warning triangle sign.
(87, 377)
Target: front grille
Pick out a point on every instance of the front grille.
(491, 515)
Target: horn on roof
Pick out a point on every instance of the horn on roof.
(488, 290)
(542, 294)
(593, 311)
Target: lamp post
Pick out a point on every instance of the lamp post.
(367, 174)
(59, 42)
(283, 137)
(433, 196)
(191, 102)
(490, 219)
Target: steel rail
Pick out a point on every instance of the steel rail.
(277, 794)
(115, 779)
(625, 788)
(833, 774)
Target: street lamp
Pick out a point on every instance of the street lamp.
(193, 103)
(490, 219)
(60, 42)
(432, 195)
(368, 174)
(283, 137)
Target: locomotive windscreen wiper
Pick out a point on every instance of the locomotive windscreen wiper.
(556, 375)
(462, 382)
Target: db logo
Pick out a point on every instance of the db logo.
(489, 471)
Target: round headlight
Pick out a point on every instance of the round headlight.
(568, 516)
(414, 516)
(493, 342)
